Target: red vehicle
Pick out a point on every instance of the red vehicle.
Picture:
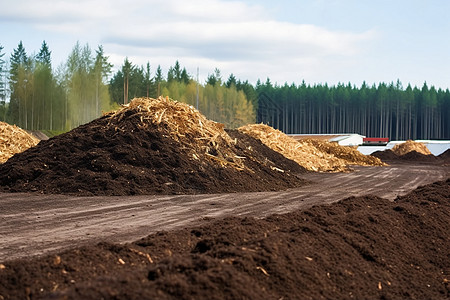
(375, 141)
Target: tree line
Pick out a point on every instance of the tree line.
(41, 98)
(383, 110)
(81, 88)
(77, 91)
(232, 102)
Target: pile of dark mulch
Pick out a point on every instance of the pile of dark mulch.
(445, 155)
(98, 159)
(412, 156)
(361, 248)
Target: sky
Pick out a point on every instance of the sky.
(318, 41)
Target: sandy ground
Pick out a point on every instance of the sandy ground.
(34, 224)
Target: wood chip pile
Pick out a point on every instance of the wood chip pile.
(408, 146)
(186, 125)
(301, 152)
(351, 155)
(14, 140)
(314, 155)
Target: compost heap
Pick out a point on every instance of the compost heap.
(351, 155)
(358, 248)
(14, 140)
(314, 155)
(151, 146)
(410, 145)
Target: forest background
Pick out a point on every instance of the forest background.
(36, 96)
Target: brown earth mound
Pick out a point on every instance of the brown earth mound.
(411, 156)
(152, 146)
(314, 155)
(418, 156)
(385, 155)
(14, 140)
(351, 155)
(445, 155)
(361, 248)
(410, 145)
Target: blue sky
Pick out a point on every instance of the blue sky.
(317, 41)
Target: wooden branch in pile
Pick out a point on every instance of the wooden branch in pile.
(14, 140)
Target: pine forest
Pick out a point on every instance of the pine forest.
(38, 96)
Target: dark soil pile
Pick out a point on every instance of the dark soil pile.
(412, 156)
(445, 155)
(361, 248)
(385, 155)
(129, 153)
(417, 156)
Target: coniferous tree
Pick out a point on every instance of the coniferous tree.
(158, 80)
(17, 84)
(100, 72)
(215, 78)
(177, 71)
(158, 75)
(2, 85)
(149, 85)
(184, 76)
(127, 68)
(41, 108)
(116, 87)
(231, 81)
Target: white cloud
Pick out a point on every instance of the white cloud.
(231, 35)
(55, 11)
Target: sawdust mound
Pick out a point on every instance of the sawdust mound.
(358, 248)
(314, 155)
(301, 152)
(351, 155)
(410, 145)
(14, 140)
(151, 146)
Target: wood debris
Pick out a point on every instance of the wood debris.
(351, 155)
(57, 260)
(262, 270)
(410, 145)
(313, 155)
(146, 255)
(14, 140)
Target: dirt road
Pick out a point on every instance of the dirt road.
(38, 224)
